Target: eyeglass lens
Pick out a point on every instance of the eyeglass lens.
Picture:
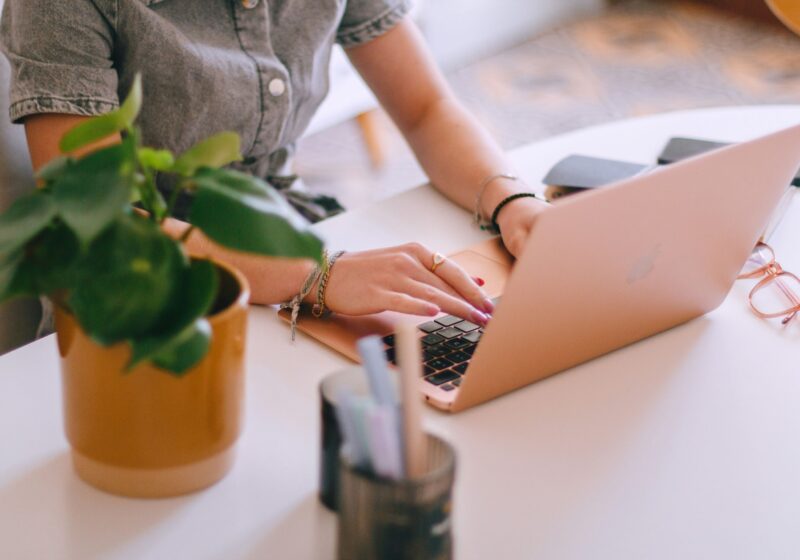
(778, 295)
(759, 258)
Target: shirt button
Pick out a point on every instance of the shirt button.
(249, 4)
(277, 87)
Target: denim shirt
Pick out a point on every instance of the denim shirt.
(257, 67)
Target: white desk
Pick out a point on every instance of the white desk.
(682, 446)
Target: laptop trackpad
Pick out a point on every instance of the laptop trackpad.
(486, 265)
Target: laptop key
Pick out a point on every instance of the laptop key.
(389, 340)
(442, 377)
(390, 355)
(457, 382)
(429, 327)
(457, 357)
(428, 370)
(456, 343)
(474, 336)
(466, 326)
(432, 338)
(461, 368)
(437, 350)
(469, 349)
(439, 363)
(447, 387)
(448, 320)
(449, 332)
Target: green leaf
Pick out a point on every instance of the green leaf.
(237, 219)
(192, 301)
(185, 350)
(242, 183)
(215, 151)
(127, 280)
(91, 193)
(29, 215)
(105, 125)
(160, 160)
(50, 261)
(9, 268)
(53, 169)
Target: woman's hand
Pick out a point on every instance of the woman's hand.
(400, 279)
(516, 221)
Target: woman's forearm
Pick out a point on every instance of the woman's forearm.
(455, 151)
(272, 280)
(458, 154)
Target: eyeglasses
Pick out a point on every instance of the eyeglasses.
(776, 294)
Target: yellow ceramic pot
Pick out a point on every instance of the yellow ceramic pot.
(147, 433)
(788, 11)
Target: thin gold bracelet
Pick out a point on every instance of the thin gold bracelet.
(478, 215)
(319, 308)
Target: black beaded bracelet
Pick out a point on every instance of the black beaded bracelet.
(505, 201)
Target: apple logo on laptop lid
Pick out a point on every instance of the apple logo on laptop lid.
(644, 265)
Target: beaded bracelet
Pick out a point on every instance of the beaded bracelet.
(493, 224)
(319, 308)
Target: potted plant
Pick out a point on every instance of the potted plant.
(151, 339)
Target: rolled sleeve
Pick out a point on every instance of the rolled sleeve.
(364, 20)
(60, 56)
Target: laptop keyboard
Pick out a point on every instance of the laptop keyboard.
(447, 346)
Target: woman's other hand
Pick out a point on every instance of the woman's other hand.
(516, 221)
(400, 279)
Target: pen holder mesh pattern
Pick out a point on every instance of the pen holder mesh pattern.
(398, 519)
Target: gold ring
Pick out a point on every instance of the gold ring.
(438, 259)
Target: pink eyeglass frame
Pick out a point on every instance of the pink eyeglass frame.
(772, 271)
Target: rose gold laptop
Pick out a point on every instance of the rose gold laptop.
(600, 270)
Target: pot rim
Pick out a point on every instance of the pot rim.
(244, 288)
(242, 299)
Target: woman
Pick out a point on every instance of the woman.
(259, 67)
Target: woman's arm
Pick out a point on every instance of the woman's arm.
(271, 280)
(396, 278)
(455, 151)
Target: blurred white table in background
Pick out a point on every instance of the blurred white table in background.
(684, 445)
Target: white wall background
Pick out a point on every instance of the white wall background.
(458, 31)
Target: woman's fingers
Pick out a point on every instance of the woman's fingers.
(459, 283)
(456, 277)
(405, 303)
(446, 302)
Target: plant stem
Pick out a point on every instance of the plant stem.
(151, 196)
(173, 199)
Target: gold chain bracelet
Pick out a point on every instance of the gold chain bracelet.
(319, 308)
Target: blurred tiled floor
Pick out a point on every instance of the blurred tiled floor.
(639, 57)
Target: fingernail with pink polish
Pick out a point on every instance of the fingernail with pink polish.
(488, 305)
(478, 317)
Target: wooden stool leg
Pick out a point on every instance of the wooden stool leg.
(373, 133)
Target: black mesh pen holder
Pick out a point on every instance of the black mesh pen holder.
(398, 519)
